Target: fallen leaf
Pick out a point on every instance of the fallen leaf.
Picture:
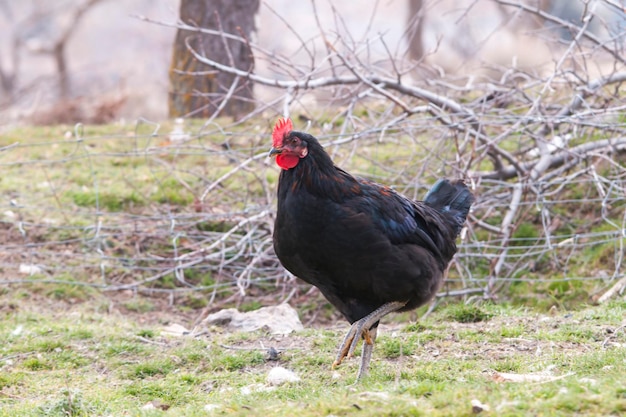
(538, 377)
(377, 395)
(175, 330)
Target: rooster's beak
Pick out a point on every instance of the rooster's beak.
(275, 151)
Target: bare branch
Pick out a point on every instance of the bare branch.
(577, 153)
(575, 29)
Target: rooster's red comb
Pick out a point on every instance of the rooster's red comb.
(281, 128)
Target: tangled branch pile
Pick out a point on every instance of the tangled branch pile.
(545, 152)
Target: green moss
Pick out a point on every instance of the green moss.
(163, 390)
(170, 191)
(195, 302)
(199, 276)
(525, 231)
(250, 305)
(68, 292)
(512, 331)
(415, 327)
(236, 362)
(147, 333)
(123, 347)
(219, 226)
(49, 345)
(395, 347)
(150, 368)
(138, 305)
(467, 313)
(36, 364)
(105, 200)
(81, 334)
(11, 379)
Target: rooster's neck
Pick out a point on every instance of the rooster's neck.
(317, 175)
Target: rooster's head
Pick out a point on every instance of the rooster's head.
(288, 146)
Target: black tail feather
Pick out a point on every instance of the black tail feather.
(452, 198)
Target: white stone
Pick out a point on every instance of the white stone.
(280, 375)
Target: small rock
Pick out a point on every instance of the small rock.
(18, 330)
(280, 319)
(155, 405)
(478, 407)
(30, 269)
(211, 407)
(272, 354)
(249, 389)
(279, 375)
(588, 381)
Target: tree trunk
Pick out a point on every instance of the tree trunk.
(58, 52)
(195, 89)
(415, 29)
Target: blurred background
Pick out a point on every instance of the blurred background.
(104, 54)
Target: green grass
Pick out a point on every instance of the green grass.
(84, 363)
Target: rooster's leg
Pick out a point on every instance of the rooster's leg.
(366, 354)
(364, 329)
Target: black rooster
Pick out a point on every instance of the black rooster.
(368, 249)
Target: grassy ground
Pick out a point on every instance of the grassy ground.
(106, 204)
(89, 359)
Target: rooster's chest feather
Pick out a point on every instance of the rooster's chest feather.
(303, 216)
